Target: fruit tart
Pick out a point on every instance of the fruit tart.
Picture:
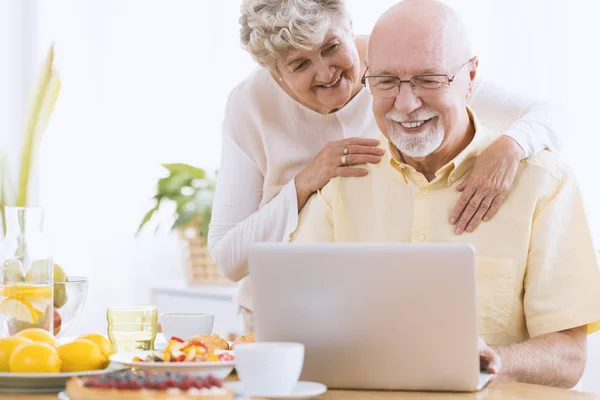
(146, 385)
(179, 350)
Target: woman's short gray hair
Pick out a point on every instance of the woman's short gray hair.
(271, 28)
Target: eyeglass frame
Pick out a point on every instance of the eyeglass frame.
(363, 80)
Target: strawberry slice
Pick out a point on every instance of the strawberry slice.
(196, 342)
(225, 357)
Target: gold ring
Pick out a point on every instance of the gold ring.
(345, 151)
(344, 160)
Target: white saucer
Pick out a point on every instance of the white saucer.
(303, 390)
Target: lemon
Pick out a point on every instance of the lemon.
(40, 272)
(27, 291)
(39, 335)
(13, 270)
(101, 341)
(19, 309)
(81, 355)
(39, 306)
(7, 346)
(35, 357)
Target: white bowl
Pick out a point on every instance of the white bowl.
(186, 325)
(218, 369)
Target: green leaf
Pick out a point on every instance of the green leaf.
(172, 185)
(186, 169)
(184, 219)
(204, 222)
(2, 216)
(192, 207)
(7, 187)
(147, 218)
(40, 110)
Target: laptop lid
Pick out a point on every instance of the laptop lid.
(372, 316)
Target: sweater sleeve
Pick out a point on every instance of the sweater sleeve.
(534, 125)
(237, 221)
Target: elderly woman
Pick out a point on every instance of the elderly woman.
(303, 118)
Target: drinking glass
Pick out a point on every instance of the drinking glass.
(132, 328)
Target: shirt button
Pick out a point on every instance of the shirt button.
(420, 238)
(452, 179)
(425, 192)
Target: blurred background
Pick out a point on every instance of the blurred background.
(145, 82)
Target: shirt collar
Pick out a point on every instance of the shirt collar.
(457, 167)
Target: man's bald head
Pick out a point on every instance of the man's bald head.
(428, 25)
(426, 42)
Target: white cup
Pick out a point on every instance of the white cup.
(186, 325)
(269, 368)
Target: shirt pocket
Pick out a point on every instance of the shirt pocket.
(495, 293)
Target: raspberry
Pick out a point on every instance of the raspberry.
(186, 384)
(214, 381)
(171, 383)
(135, 385)
(200, 384)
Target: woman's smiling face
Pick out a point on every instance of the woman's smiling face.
(324, 77)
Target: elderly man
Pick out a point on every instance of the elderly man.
(537, 274)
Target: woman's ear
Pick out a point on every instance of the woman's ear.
(275, 73)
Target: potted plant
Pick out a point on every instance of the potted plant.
(189, 191)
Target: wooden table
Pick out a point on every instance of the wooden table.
(494, 391)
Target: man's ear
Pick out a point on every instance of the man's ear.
(473, 65)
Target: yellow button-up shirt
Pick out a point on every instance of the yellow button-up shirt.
(537, 270)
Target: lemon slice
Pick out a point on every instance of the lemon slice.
(26, 291)
(19, 309)
(39, 306)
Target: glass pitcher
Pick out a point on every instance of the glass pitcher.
(26, 273)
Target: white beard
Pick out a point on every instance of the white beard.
(415, 145)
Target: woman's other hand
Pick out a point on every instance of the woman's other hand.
(488, 183)
(337, 158)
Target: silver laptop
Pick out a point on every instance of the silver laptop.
(372, 316)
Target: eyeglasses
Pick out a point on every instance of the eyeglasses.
(421, 85)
